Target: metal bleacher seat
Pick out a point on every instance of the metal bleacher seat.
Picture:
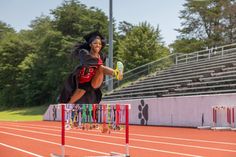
(137, 94)
(201, 92)
(207, 76)
(205, 83)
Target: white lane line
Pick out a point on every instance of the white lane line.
(149, 136)
(165, 151)
(185, 139)
(21, 150)
(131, 139)
(109, 143)
(184, 145)
(45, 141)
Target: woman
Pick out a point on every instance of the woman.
(88, 77)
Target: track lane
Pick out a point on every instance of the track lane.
(145, 138)
(14, 151)
(135, 145)
(111, 147)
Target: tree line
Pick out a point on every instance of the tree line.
(35, 62)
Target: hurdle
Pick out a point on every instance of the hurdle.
(233, 109)
(115, 154)
(221, 117)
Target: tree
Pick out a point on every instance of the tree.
(210, 21)
(35, 62)
(124, 27)
(229, 20)
(187, 45)
(52, 62)
(13, 51)
(142, 44)
(76, 20)
(4, 30)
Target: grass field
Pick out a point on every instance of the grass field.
(23, 114)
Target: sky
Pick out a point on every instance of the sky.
(163, 13)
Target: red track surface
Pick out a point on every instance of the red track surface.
(23, 139)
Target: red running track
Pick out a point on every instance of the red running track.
(26, 139)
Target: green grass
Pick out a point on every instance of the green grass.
(23, 114)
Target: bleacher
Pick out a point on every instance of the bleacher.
(211, 73)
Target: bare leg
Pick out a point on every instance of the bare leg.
(76, 95)
(99, 75)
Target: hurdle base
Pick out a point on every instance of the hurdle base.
(115, 154)
(56, 155)
(233, 129)
(221, 128)
(204, 127)
(62, 153)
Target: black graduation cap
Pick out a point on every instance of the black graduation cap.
(93, 35)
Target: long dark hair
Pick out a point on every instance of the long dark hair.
(79, 46)
(89, 38)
